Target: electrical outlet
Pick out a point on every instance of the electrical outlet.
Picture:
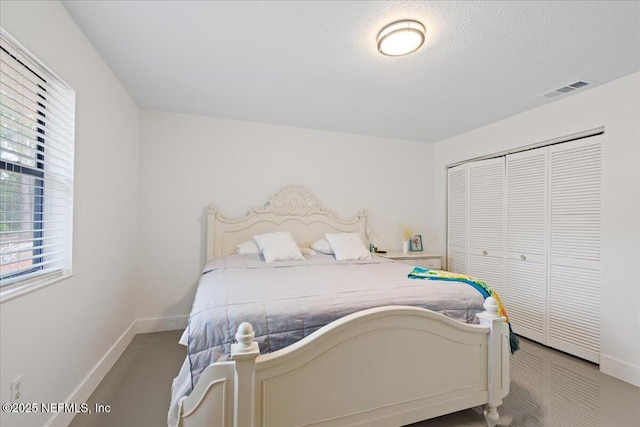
(16, 390)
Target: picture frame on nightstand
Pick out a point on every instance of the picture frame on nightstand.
(415, 243)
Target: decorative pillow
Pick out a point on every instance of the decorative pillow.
(248, 247)
(278, 246)
(322, 246)
(348, 246)
(307, 252)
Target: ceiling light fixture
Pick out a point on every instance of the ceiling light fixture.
(401, 37)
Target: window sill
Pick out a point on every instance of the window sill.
(31, 285)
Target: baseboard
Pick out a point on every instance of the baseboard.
(161, 324)
(88, 385)
(622, 370)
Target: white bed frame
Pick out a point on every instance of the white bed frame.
(384, 366)
(293, 208)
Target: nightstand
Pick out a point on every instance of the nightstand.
(417, 259)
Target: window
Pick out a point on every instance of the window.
(37, 113)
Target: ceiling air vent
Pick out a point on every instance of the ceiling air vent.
(580, 84)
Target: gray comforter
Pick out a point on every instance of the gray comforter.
(286, 301)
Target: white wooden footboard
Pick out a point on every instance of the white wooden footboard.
(384, 366)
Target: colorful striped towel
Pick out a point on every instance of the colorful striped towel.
(480, 286)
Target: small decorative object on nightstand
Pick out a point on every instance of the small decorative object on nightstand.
(416, 259)
(415, 243)
(407, 232)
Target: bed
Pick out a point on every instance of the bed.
(320, 341)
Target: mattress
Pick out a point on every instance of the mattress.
(287, 301)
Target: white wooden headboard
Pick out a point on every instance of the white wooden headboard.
(292, 208)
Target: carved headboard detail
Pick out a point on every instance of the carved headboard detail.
(292, 200)
(292, 208)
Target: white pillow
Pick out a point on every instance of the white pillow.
(278, 246)
(322, 246)
(248, 247)
(348, 246)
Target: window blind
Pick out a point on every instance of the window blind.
(37, 115)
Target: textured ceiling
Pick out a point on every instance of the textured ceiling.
(314, 64)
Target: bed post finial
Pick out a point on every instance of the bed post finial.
(245, 335)
(491, 307)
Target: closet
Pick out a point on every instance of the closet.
(528, 224)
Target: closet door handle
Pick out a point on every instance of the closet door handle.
(485, 252)
(523, 258)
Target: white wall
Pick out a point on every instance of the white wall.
(616, 106)
(190, 161)
(56, 336)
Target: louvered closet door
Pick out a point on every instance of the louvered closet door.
(574, 252)
(457, 219)
(527, 242)
(487, 222)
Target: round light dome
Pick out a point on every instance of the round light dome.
(401, 38)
